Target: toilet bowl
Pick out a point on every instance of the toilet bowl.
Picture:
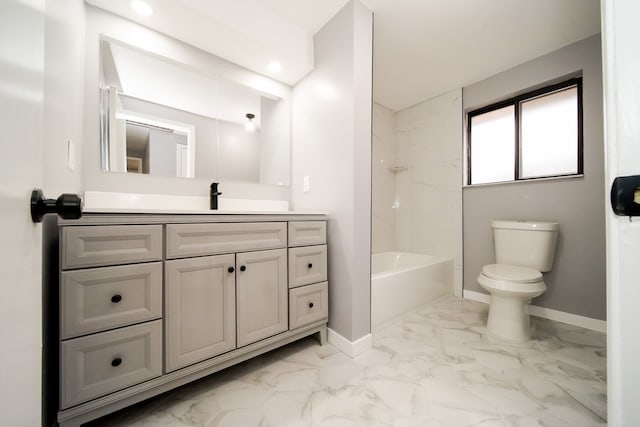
(511, 289)
(524, 250)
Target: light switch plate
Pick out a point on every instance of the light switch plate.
(305, 184)
(71, 155)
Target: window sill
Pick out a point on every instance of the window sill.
(528, 181)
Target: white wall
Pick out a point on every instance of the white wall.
(331, 144)
(63, 85)
(275, 149)
(238, 152)
(63, 122)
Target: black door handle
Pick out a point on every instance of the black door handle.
(68, 206)
(625, 195)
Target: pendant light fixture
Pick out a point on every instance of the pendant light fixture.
(250, 126)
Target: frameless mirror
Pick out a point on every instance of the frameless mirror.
(160, 117)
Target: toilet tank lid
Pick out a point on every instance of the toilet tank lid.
(526, 225)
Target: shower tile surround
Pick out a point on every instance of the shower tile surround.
(383, 181)
(419, 209)
(435, 366)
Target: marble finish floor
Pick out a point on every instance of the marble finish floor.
(434, 367)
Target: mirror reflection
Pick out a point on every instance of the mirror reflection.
(159, 117)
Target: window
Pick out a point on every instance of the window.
(534, 135)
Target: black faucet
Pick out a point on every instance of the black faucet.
(213, 199)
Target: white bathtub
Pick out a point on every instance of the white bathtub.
(401, 282)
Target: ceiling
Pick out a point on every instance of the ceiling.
(422, 48)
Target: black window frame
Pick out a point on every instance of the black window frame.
(515, 102)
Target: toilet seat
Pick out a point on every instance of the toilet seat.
(511, 273)
(512, 280)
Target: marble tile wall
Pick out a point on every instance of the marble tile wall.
(383, 196)
(428, 140)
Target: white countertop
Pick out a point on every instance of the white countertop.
(99, 202)
(123, 210)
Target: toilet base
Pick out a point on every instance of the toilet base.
(509, 306)
(509, 318)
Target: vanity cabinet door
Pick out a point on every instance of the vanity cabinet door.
(200, 303)
(262, 295)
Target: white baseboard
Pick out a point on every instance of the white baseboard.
(476, 296)
(350, 348)
(547, 313)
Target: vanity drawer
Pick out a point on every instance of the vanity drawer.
(304, 233)
(97, 299)
(185, 240)
(307, 264)
(308, 304)
(92, 246)
(99, 364)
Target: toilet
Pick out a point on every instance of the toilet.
(524, 250)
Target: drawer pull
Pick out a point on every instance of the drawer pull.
(310, 305)
(243, 268)
(116, 298)
(231, 269)
(116, 362)
(309, 265)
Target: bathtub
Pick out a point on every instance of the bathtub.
(401, 282)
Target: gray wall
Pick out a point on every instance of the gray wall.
(577, 282)
(331, 144)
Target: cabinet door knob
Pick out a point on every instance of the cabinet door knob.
(231, 269)
(310, 305)
(116, 362)
(243, 267)
(309, 265)
(116, 298)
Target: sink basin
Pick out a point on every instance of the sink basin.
(110, 202)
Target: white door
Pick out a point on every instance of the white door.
(21, 136)
(621, 61)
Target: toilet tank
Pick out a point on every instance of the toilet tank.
(525, 243)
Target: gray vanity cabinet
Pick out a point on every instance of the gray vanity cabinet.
(200, 299)
(151, 302)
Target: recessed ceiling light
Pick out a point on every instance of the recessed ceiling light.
(141, 7)
(275, 66)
